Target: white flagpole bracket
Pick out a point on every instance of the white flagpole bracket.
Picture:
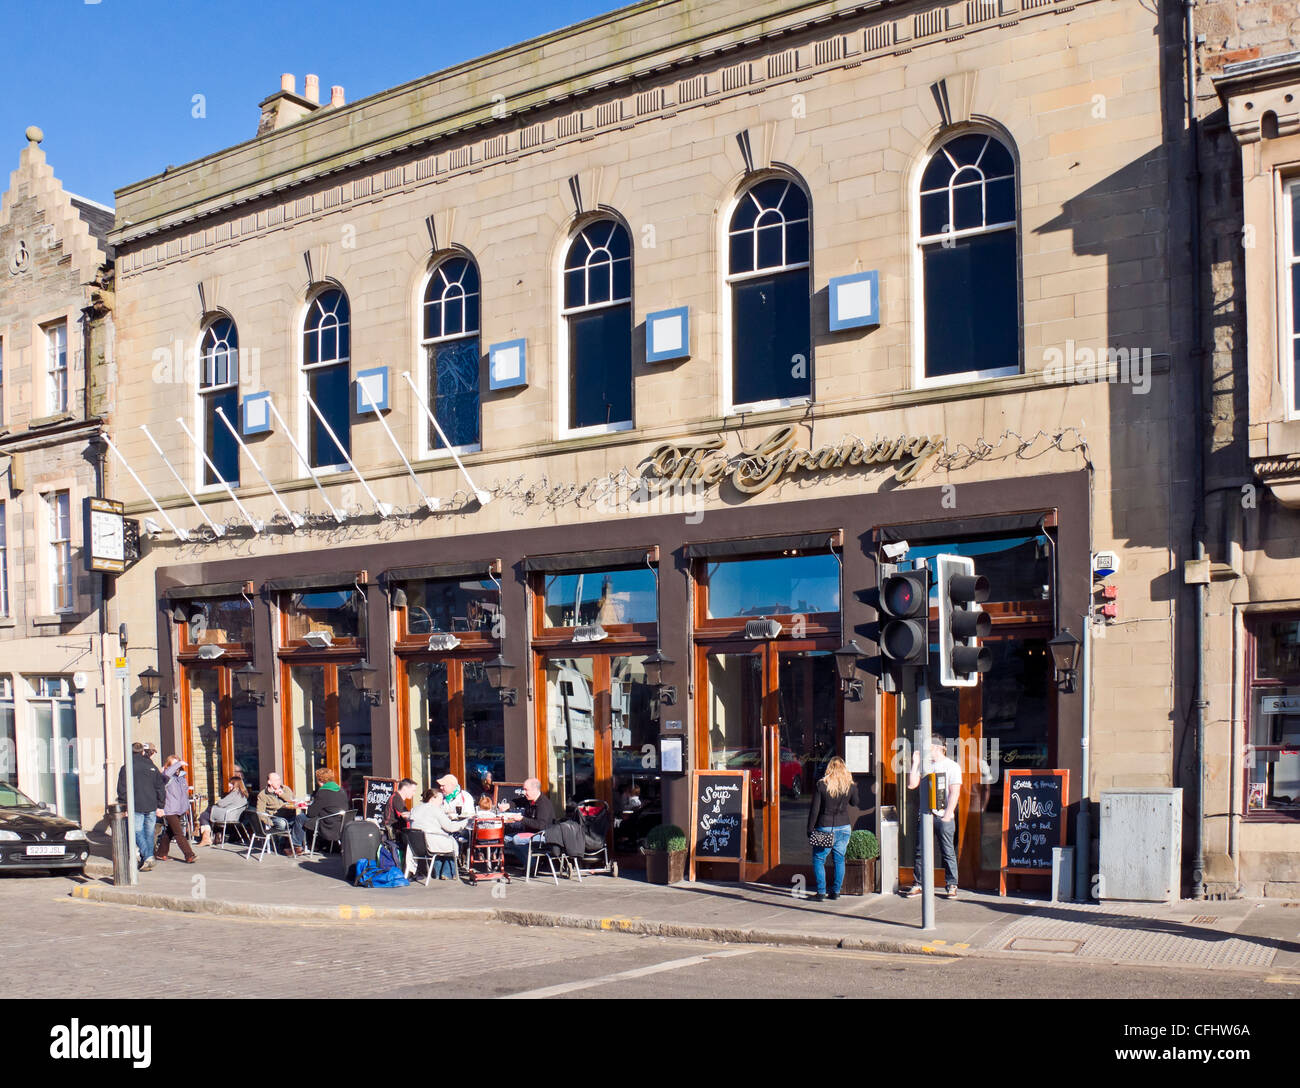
(483, 497)
(296, 520)
(258, 526)
(339, 516)
(181, 534)
(382, 508)
(219, 530)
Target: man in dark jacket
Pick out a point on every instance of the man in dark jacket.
(149, 790)
(535, 813)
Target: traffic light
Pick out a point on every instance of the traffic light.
(962, 623)
(904, 616)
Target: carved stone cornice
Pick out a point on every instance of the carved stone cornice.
(1281, 475)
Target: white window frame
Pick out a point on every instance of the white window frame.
(305, 414)
(57, 394)
(729, 407)
(59, 555)
(919, 378)
(562, 387)
(4, 561)
(1288, 333)
(52, 689)
(424, 362)
(203, 392)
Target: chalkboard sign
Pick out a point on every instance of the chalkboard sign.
(1033, 820)
(378, 791)
(719, 817)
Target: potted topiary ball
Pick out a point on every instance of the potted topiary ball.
(860, 864)
(665, 854)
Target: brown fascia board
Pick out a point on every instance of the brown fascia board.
(612, 38)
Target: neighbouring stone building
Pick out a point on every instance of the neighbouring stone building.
(423, 362)
(56, 342)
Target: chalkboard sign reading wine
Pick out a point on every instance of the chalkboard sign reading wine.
(719, 817)
(1033, 820)
(378, 791)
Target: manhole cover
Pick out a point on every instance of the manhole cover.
(1042, 944)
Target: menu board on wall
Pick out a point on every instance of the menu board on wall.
(719, 817)
(1033, 820)
(378, 791)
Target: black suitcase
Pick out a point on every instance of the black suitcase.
(361, 839)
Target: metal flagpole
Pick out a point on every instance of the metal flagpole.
(284, 429)
(258, 526)
(296, 520)
(220, 530)
(383, 509)
(181, 534)
(431, 504)
(484, 497)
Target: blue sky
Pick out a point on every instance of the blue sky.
(112, 83)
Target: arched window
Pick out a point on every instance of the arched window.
(450, 342)
(326, 350)
(968, 242)
(768, 276)
(219, 388)
(598, 319)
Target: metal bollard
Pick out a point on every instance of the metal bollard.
(123, 846)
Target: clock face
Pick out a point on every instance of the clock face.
(107, 536)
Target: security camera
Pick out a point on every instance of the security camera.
(897, 551)
(152, 527)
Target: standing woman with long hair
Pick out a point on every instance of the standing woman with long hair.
(828, 823)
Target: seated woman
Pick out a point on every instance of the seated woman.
(225, 811)
(328, 801)
(431, 817)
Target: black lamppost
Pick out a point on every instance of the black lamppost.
(498, 672)
(363, 679)
(654, 676)
(1065, 657)
(249, 680)
(150, 680)
(846, 667)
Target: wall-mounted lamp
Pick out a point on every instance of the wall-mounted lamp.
(363, 679)
(250, 681)
(1065, 656)
(654, 676)
(150, 680)
(846, 667)
(498, 672)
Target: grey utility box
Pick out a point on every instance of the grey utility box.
(1141, 845)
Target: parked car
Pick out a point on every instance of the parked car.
(32, 837)
(750, 759)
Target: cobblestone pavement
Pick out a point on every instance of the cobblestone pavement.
(55, 946)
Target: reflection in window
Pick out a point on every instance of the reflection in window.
(598, 316)
(8, 734)
(451, 324)
(219, 388)
(430, 726)
(485, 730)
(339, 612)
(771, 303)
(327, 345)
(571, 730)
(783, 585)
(968, 252)
(1273, 766)
(220, 621)
(604, 597)
(1019, 568)
(450, 605)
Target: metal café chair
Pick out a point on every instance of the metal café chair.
(345, 816)
(235, 820)
(537, 853)
(264, 830)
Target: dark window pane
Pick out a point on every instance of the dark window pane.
(1000, 200)
(771, 249)
(966, 149)
(967, 207)
(1295, 220)
(997, 161)
(329, 342)
(787, 585)
(623, 279)
(1295, 378)
(455, 394)
(1277, 647)
(574, 288)
(449, 605)
(344, 339)
(971, 313)
(1295, 297)
(329, 388)
(600, 367)
(742, 253)
(433, 319)
(771, 323)
(934, 213)
(454, 321)
(745, 214)
(937, 173)
(599, 283)
(794, 205)
(796, 242)
(219, 443)
(619, 245)
(471, 311)
(310, 346)
(600, 596)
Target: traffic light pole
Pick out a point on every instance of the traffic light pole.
(926, 828)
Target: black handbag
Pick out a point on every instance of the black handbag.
(821, 840)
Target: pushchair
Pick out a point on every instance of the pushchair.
(594, 816)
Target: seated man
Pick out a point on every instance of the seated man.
(527, 817)
(328, 801)
(278, 806)
(396, 819)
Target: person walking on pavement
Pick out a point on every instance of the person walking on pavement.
(147, 805)
(828, 820)
(948, 789)
(176, 804)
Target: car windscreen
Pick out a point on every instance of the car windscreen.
(12, 797)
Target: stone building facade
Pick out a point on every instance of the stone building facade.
(936, 246)
(56, 341)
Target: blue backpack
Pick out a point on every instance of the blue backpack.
(370, 875)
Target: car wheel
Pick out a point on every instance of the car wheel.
(796, 788)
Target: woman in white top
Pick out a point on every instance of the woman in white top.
(431, 817)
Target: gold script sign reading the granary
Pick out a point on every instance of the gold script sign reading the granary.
(757, 468)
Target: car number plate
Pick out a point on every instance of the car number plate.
(44, 851)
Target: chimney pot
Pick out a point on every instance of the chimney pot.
(336, 96)
(287, 82)
(311, 89)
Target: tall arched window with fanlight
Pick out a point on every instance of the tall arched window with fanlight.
(450, 341)
(968, 250)
(219, 389)
(768, 277)
(326, 354)
(597, 317)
